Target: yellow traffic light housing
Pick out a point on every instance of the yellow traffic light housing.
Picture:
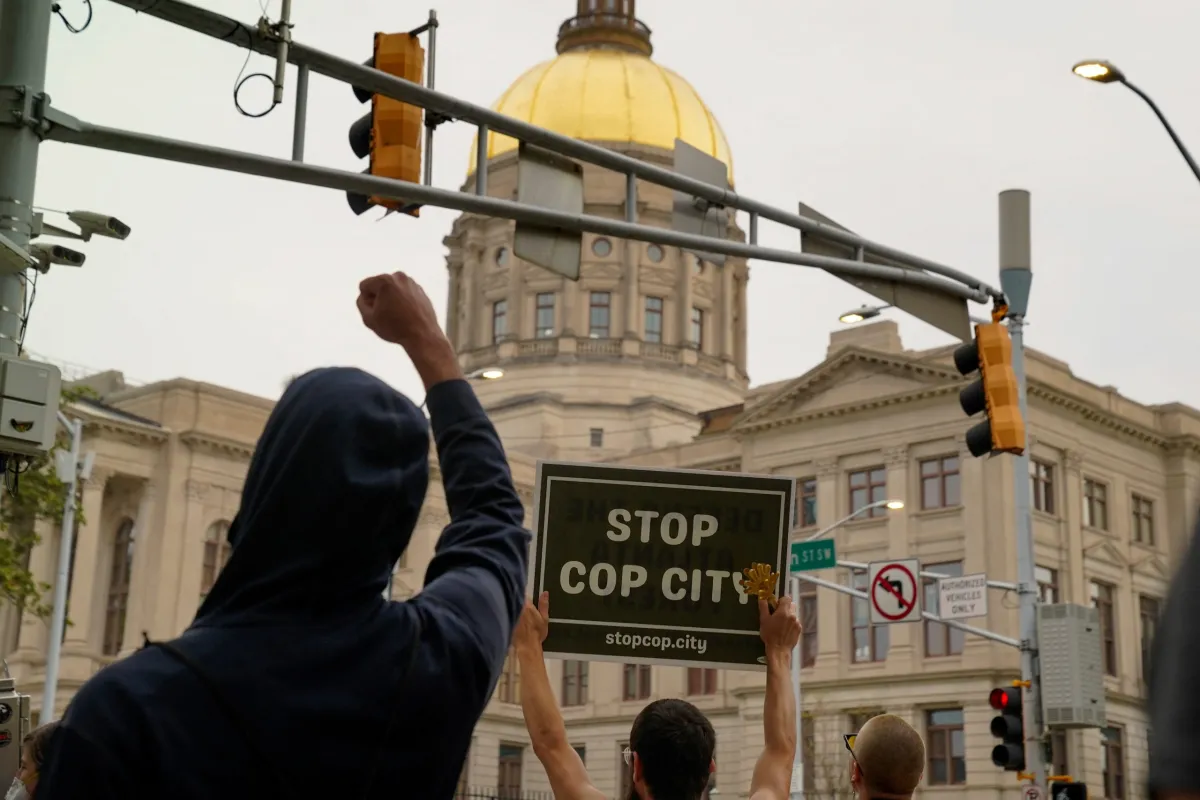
(391, 133)
(996, 392)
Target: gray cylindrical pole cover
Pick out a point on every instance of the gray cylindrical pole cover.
(1014, 230)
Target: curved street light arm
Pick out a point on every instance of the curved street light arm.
(1183, 151)
(828, 529)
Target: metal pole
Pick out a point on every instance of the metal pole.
(859, 566)
(798, 768)
(1183, 151)
(281, 50)
(429, 128)
(481, 161)
(301, 123)
(861, 595)
(24, 43)
(1016, 274)
(58, 620)
(78, 132)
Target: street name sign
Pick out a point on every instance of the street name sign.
(645, 565)
(963, 598)
(809, 556)
(893, 591)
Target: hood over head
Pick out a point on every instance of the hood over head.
(329, 503)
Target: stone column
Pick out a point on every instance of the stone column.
(514, 329)
(739, 344)
(33, 635)
(170, 518)
(199, 511)
(727, 312)
(453, 305)
(571, 302)
(87, 582)
(141, 587)
(833, 609)
(1073, 585)
(686, 262)
(633, 292)
(465, 331)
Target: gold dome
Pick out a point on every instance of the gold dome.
(610, 95)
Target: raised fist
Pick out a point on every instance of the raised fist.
(397, 310)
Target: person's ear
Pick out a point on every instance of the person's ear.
(712, 766)
(637, 768)
(855, 773)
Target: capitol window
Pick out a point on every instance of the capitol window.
(602, 247)
(654, 253)
(501, 256)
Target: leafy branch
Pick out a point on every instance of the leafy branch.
(40, 496)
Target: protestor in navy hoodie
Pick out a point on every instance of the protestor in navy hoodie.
(297, 679)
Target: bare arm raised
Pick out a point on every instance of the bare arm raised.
(547, 733)
(780, 632)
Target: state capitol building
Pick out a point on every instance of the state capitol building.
(643, 362)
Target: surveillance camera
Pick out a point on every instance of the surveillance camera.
(48, 254)
(91, 223)
(14, 258)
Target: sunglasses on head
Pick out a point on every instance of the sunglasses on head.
(849, 739)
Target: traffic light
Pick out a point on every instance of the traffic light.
(390, 134)
(996, 391)
(1009, 727)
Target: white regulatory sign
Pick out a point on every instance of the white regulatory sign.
(892, 591)
(1032, 791)
(964, 598)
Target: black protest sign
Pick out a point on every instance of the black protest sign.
(644, 565)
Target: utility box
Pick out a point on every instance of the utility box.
(29, 397)
(14, 724)
(1071, 665)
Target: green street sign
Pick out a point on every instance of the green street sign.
(808, 556)
(644, 565)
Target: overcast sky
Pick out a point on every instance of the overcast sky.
(900, 120)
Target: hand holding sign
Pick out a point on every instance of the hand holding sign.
(781, 630)
(760, 582)
(534, 624)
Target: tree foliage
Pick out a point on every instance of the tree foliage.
(40, 496)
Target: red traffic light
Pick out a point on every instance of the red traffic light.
(1006, 701)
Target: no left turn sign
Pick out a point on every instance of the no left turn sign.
(893, 590)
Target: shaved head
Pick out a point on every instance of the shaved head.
(890, 756)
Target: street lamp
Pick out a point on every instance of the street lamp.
(794, 588)
(1104, 72)
(861, 313)
(486, 374)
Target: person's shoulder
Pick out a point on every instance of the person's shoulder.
(133, 682)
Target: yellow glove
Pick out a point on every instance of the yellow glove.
(760, 581)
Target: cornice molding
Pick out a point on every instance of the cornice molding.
(218, 445)
(758, 419)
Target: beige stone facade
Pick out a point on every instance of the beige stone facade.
(1116, 487)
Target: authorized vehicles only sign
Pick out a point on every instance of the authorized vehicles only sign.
(644, 565)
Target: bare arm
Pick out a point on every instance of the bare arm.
(773, 772)
(547, 733)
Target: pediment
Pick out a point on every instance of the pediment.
(1153, 566)
(1105, 551)
(851, 377)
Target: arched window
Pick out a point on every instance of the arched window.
(118, 588)
(216, 555)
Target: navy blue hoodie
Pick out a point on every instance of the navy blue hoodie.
(296, 636)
